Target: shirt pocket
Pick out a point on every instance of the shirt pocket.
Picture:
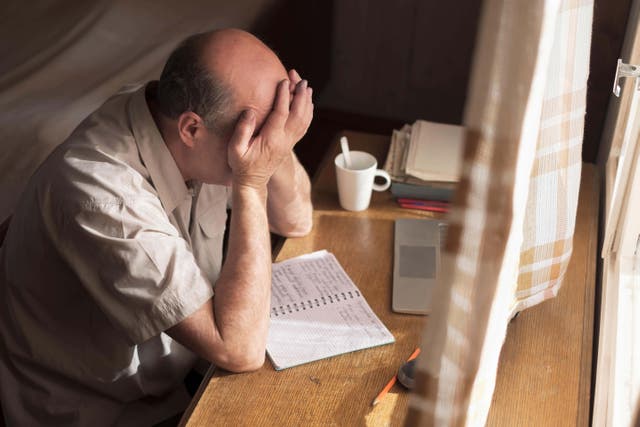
(213, 224)
(207, 242)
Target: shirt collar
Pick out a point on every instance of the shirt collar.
(163, 170)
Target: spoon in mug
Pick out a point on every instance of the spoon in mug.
(345, 152)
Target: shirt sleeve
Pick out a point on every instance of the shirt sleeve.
(132, 261)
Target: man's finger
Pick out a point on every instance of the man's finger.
(309, 104)
(294, 78)
(245, 126)
(278, 116)
(300, 99)
(281, 103)
(309, 112)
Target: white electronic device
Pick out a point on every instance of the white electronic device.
(416, 263)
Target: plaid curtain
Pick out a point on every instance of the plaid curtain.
(512, 222)
(555, 178)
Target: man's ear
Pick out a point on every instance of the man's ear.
(189, 127)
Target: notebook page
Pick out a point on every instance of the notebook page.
(318, 312)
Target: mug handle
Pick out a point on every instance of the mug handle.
(382, 187)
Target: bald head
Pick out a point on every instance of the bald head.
(247, 67)
(217, 75)
(228, 51)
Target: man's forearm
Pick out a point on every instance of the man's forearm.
(289, 203)
(230, 330)
(243, 290)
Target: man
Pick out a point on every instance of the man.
(110, 275)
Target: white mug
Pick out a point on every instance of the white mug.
(356, 183)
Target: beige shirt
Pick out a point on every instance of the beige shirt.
(107, 249)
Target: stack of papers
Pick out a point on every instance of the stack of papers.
(425, 160)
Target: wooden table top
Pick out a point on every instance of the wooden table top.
(338, 391)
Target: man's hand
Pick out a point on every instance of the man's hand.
(253, 160)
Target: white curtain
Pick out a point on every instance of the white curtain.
(513, 219)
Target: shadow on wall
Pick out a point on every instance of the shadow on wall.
(74, 54)
(366, 59)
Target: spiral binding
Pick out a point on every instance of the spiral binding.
(315, 303)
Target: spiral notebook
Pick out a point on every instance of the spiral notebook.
(318, 312)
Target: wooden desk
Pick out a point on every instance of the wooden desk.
(339, 391)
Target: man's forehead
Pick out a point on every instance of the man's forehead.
(249, 69)
(257, 91)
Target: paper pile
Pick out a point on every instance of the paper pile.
(425, 160)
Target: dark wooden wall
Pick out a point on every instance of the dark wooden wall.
(404, 60)
(376, 64)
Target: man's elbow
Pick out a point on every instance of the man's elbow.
(245, 365)
(299, 228)
(243, 362)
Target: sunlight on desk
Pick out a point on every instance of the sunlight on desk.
(544, 373)
(383, 413)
